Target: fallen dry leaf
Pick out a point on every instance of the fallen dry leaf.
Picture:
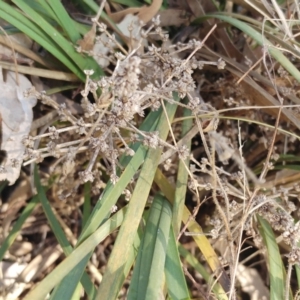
(174, 17)
(252, 283)
(145, 13)
(16, 112)
(10, 271)
(88, 40)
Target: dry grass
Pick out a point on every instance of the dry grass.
(210, 119)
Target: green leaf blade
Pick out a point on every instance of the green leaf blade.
(176, 283)
(148, 274)
(276, 268)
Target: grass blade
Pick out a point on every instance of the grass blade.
(147, 278)
(70, 283)
(87, 206)
(176, 283)
(182, 177)
(200, 239)
(64, 20)
(276, 268)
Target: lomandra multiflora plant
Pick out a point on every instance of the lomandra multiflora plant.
(144, 78)
(114, 106)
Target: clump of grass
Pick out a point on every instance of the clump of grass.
(137, 129)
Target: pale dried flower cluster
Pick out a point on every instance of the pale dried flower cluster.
(140, 80)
